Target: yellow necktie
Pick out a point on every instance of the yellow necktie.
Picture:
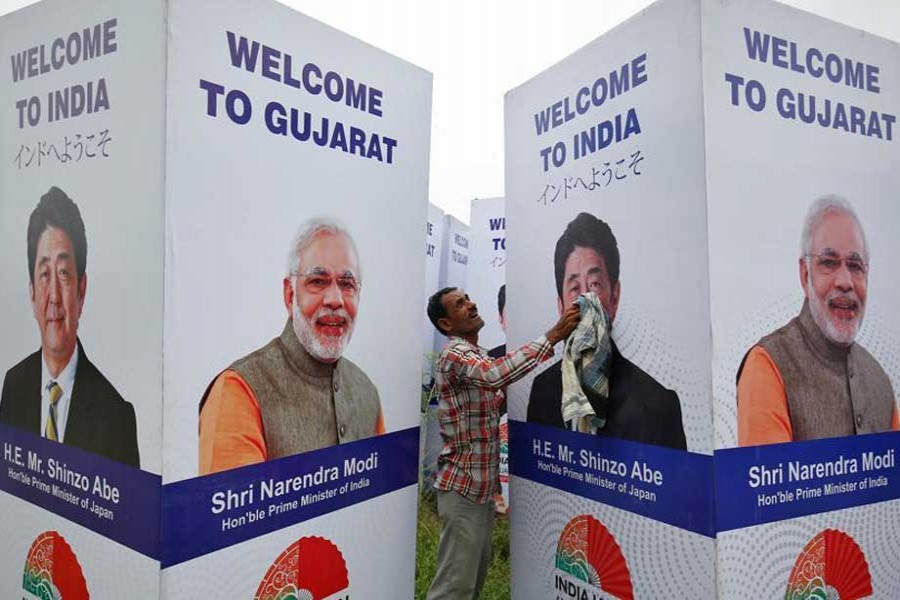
(55, 394)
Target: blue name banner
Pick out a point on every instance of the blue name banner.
(114, 500)
(771, 483)
(209, 513)
(666, 485)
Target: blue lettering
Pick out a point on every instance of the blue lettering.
(814, 71)
(639, 70)
(308, 70)
(289, 73)
(757, 45)
(736, 82)
(357, 141)
(338, 138)
(375, 102)
(582, 101)
(557, 114)
(854, 74)
(212, 91)
(631, 124)
(784, 101)
(542, 121)
(888, 121)
(618, 82)
(270, 58)
(795, 65)
(779, 52)
(18, 65)
(872, 79)
(857, 119)
(275, 118)
(598, 99)
(242, 56)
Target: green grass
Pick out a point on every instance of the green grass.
(428, 532)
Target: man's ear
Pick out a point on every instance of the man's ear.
(82, 289)
(288, 292)
(443, 325)
(804, 275)
(614, 300)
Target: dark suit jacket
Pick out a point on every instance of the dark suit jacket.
(639, 408)
(498, 351)
(99, 420)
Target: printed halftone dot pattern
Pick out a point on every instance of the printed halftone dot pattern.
(757, 562)
(881, 338)
(641, 339)
(729, 351)
(878, 335)
(663, 561)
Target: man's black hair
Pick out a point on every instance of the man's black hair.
(56, 209)
(436, 308)
(501, 299)
(586, 231)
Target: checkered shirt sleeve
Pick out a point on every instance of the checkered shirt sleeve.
(471, 393)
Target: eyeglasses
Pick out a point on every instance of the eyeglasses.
(828, 264)
(317, 281)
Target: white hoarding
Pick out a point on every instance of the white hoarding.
(486, 284)
(81, 283)
(229, 166)
(486, 273)
(430, 438)
(605, 193)
(296, 194)
(454, 260)
(434, 245)
(801, 135)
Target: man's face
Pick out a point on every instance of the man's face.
(835, 277)
(323, 297)
(586, 272)
(57, 296)
(462, 314)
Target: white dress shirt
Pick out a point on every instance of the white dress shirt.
(66, 381)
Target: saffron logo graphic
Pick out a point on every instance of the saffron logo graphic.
(52, 571)
(589, 563)
(832, 566)
(312, 568)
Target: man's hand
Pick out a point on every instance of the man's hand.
(565, 326)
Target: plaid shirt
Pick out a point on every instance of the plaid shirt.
(470, 386)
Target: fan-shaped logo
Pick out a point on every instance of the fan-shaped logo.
(590, 564)
(832, 566)
(52, 571)
(312, 568)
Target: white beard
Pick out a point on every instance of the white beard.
(843, 336)
(331, 349)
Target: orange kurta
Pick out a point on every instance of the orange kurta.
(231, 428)
(762, 408)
